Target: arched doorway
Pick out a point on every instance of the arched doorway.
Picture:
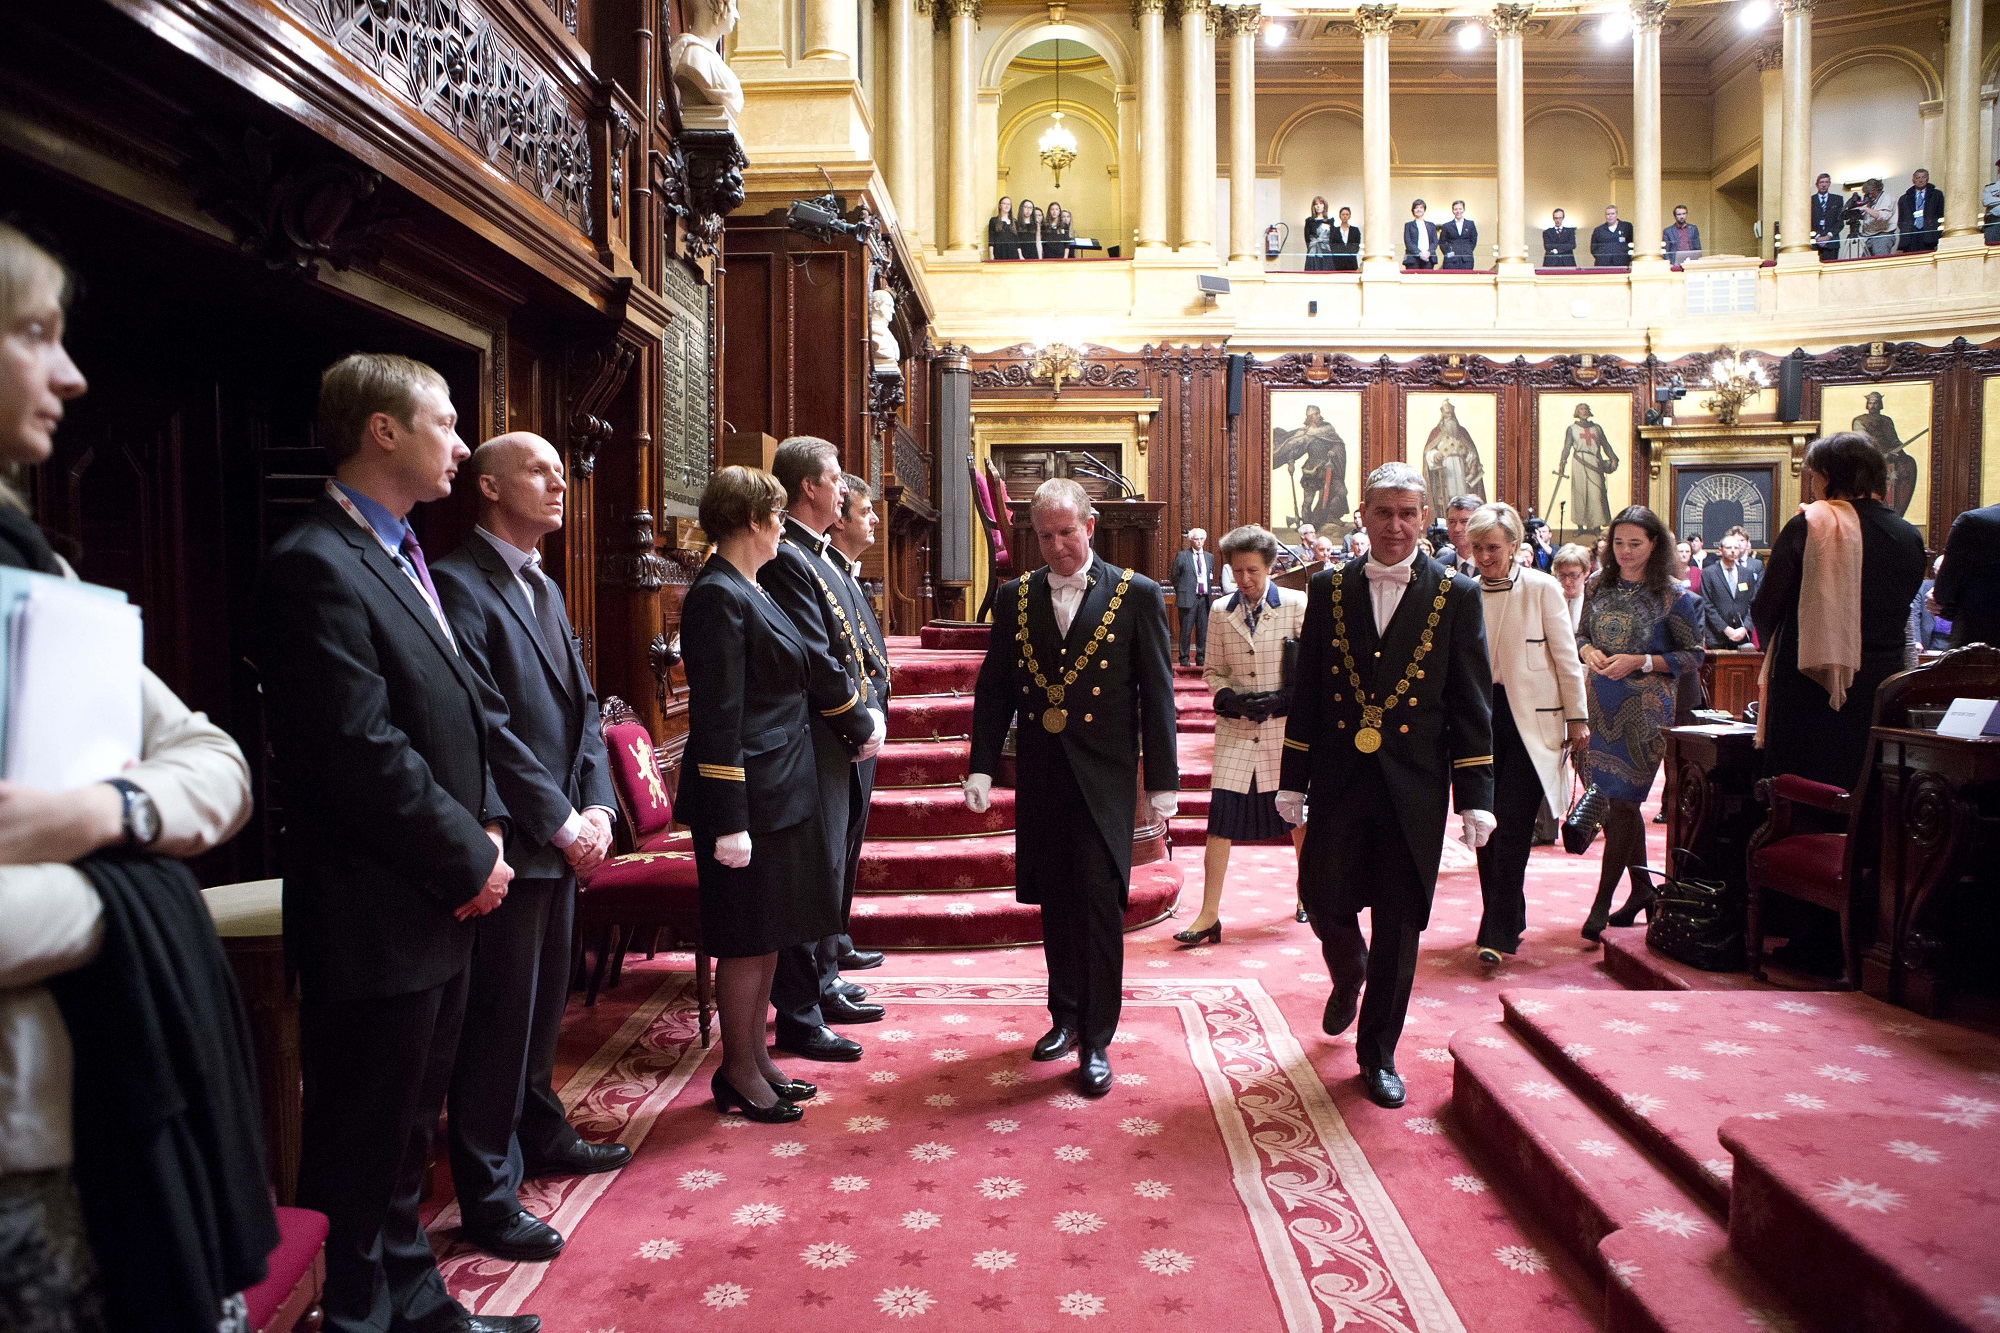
(1061, 73)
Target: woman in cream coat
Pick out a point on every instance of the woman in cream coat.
(1246, 646)
(1539, 709)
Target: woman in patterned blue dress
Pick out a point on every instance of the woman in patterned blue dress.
(1640, 631)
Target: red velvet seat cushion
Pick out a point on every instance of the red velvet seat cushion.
(667, 840)
(1804, 861)
(636, 770)
(301, 1233)
(641, 885)
(1819, 795)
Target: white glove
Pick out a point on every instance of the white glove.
(1479, 826)
(978, 792)
(873, 745)
(1292, 807)
(1165, 803)
(733, 850)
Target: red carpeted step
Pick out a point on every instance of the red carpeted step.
(933, 673)
(1637, 967)
(964, 637)
(920, 764)
(1869, 1222)
(936, 865)
(1188, 723)
(975, 919)
(1664, 1283)
(935, 812)
(930, 717)
(1197, 759)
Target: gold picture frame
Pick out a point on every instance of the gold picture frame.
(1900, 426)
(1321, 460)
(1436, 428)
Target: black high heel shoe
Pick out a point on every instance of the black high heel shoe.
(1629, 913)
(728, 1099)
(1213, 935)
(793, 1090)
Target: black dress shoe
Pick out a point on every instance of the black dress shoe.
(850, 990)
(1299, 914)
(1341, 1006)
(840, 1009)
(1093, 1073)
(523, 1238)
(502, 1323)
(727, 1099)
(859, 960)
(1054, 1045)
(579, 1159)
(820, 1043)
(1383, 1087)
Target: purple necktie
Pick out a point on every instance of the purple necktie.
(415, 555)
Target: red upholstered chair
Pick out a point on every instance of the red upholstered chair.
(989, 497)
(287, 1300)
(651, 887)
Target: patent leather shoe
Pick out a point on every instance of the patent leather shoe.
(793, 1090)
(838, 1008)
(859, 960)
(850, 990)
(1093, 1073)
(1054, 1045)
(820, 1043)
(728, 1099)
(579, 1159)
(1383, 1086)
(1299, 914)
(1341, 1006)
(523, 1238)
(1212, 935)
(501, 1323)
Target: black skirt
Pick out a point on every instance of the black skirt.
(785, 896)
(1250, 816)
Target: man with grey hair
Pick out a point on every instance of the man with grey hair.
(1392, 711)
(1193, 577)
(1457, 513)
(1078, 654)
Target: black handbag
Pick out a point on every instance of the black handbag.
(1585, 817)
(1698, 921)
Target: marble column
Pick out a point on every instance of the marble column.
(1770, 165)
(1197, 123)
(1646, 219)
(1240, 24)
(831, 31)
(1149, 17)
(1381, 237)
(898, 96)
(1965, 157)
(968, 236)
(1794, 208)
(1507, 21)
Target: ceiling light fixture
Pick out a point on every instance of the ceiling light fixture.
(1469, 36)
(1755, 13)
(1615, 26)
(1058, 145)
(1275, 34)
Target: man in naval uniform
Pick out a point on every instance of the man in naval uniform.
(1079, 655)
(1392, 709)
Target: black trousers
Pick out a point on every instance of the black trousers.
(1194, 624)
(807, 972)
(827, 953)
(503, 1108)
(1365, 832)
(1083, 927)
(1503, 861)
(376, 1071)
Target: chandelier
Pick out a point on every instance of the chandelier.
(1735, 379)
(1058, 145)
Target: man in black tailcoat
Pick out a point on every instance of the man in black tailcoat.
(851, 534)
(1392, 710)
(808, 582)
(505, 1122)
(1079, 655)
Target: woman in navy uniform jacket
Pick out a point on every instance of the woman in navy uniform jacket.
(748, 790)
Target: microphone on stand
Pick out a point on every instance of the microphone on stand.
(1090, 465)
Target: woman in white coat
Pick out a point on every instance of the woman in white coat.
(1539, 709)
(1246, 654)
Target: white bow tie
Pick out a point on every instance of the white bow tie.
(1069, 582)
(1381, 573)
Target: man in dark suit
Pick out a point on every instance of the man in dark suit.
(805, 580)
(1558, 243)
(1346, 244)
(1682, 241)
(1919, 213)
(1968, 580)
(1193, 578)
(851, 534)
(1611, 243)
(1079, 654)
(1825, 210)
(1420, 239)
(505, 1120)
(1395, 715)
(1728, 585)
(393, 835)
(1459, 238)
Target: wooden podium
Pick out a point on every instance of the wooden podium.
(1128, 535)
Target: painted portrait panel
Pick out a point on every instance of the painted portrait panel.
(1315, 460)
(1989, 442)
(1452, 439)
(1584, 453)
(1896, 416)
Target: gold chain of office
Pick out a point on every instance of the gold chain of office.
(1369, 739)
(1055, 717)
(861, 655)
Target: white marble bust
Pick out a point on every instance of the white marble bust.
(881, 310)
(699, 69)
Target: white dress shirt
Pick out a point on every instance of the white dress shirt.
(1386, 590)
(1066, 595)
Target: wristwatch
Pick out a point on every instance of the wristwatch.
(142, 817)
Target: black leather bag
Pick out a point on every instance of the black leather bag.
(1698, 921)
(1585, 817)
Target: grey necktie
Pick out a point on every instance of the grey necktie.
(555, 629)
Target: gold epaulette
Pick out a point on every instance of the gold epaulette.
(720, 772)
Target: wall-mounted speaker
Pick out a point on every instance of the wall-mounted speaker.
(1236, 364)
(1791, 385)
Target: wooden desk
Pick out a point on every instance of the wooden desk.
(1730, 678)
(1712, 810)
(1940, 803)
(1128, 535)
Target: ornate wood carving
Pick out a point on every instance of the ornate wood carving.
(636, 566)
(287, 210)
(596, 373)
(565, 12)
(715, 164)
(1313, 370)
(1099, 374)
(662, 657)
(449, 60)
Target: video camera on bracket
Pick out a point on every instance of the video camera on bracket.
(821, 218)
(1665, 393)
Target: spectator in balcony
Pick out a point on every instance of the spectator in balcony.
(1346, 244)
(1611, 243)
(1420, 239)
(1028, 231)
(1878, 218)
(1989, 199)
(1919, 214)
(1000, 231)
(1558, 243)
(1318, 233)
(1827, 209)
(1682, 241)
(1459, 238)
(1060, 232)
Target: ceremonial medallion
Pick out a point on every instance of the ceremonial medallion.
(1054, 720)
(1368, 740)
